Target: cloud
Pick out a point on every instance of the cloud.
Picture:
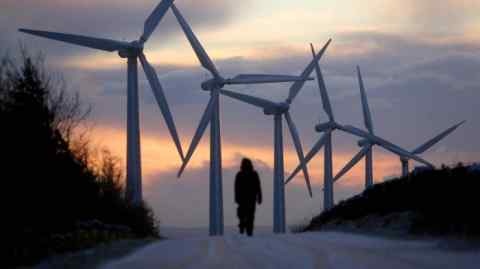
(437, 16)
(120, 20)
(114, 17)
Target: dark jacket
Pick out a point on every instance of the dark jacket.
(247, 188)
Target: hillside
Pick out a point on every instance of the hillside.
(442, 202)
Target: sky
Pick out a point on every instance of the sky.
(420, 61)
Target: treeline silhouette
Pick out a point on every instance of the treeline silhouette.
(441, 202)
(57, 194)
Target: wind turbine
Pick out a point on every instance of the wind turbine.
(279, 110)
(211, 115)
(132, 51)
(370, 140)
(326, 140)
(426, 146)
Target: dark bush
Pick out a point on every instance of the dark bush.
(51, 178)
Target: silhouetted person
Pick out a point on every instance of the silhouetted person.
(248, 192)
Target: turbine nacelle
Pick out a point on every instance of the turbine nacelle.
(323, 127)
(278, 109)
(364, 142)
(213, 84)
(134, 49)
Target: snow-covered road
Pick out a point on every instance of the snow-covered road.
(307, 250)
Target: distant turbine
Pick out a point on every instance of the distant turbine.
(211, 115)
(426, 146)
(371, 140)
(278, 110)
(131, 51)
(325, 140)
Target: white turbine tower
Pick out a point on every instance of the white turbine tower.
(326, 140)
(426, 146)
(211, 115)
(369, 141)
(278, 110)
(132, 51)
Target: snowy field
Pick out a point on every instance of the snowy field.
(190, 248)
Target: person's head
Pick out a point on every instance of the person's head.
(246, 165)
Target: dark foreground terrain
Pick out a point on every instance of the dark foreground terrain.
(442, 202)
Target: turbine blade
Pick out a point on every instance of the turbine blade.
(352, 163)
(202, 55)
(207, 116)
(355, 131)
(402, 153)
(84, 41)
(383, 143)
(316, 148)
(162, 102)
(298, 148)
(260, 78)
(154, 19)
(256, 101)
(323, 89)
(363, 134)
(298, 85)
(421, 149)
(367, 116)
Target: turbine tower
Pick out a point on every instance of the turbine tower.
(211, 115)
(426, 146)
(279, 110)
(132, 51)
(371, 140)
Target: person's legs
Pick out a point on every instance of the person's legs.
(250, 227)
(241, 219)
(250, 218)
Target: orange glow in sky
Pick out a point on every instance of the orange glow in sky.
(159, 155)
